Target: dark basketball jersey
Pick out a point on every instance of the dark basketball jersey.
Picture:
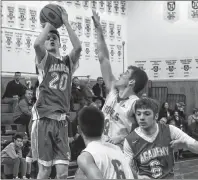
(153, 159)
(54, 89)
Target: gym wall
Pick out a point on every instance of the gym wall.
(21, 26)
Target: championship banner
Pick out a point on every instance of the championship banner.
(119, 53)
(171, 11)
(63, 30)
(104, 27)
(87, 50)
(2, 14)
(101, 6)
(123, 8)
(156, 69)
(96, 51)
(10, 15)
(111, 30)
(141, 64)
(18, 41)
(28, 44)
(64, 47)
(118, 32)
(116, 7)
(79, 21)
(77, 4)
(22, 17)
(87, 27)
(186, 67)
(9, 39)
(195, 69)
(193, 10)
(171, 68)
(94, 5)
(69, 3)
(32, 18)
(85, 4)
(112, 52)
(109, 6)
(73, 25)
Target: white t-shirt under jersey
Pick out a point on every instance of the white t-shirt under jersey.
(118, 115)
(110, 160)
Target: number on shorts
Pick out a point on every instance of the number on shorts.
(156, 170)
(106, 127)
(62, 84)
(118, 169)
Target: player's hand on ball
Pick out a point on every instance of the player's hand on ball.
(96, 19)
(64, 14)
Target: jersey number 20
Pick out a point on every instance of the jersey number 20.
(58, 82)
(118, 169)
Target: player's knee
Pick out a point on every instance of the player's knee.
(61, 171)
(62, 175)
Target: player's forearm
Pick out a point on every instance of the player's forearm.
(103, 52)
(193, 147)
(73, 38)
(40, 40)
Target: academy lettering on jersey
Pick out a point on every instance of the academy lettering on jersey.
(111, 111)
(153, 153)
(59, 68)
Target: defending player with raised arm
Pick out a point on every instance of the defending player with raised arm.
(119, 106)
(99, 160)
(49, 134)
(150, 147)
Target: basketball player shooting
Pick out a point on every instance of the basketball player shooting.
(99, 160)
(119, 106)
(150, 147)
(50, 127)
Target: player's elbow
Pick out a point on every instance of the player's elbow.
(78, 49)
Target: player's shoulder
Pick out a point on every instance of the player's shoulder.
(133, 136)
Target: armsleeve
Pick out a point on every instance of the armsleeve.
(42, 64)
(176, 133)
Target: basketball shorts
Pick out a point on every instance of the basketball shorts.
(49, 140)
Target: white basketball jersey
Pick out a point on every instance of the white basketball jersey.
(111, 161)
(118, 115)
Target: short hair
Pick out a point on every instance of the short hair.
(140, 78)
(17, 72)
(18, 136)
(55, 32)
(99, 78)
(147, 103)
(91, 121)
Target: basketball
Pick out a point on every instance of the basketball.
(51, 13)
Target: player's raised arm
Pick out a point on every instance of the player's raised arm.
(77, 48)
(39, 44)
(103, 53)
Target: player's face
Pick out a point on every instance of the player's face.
(145, 118)
(52, 43)
(123, 80)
